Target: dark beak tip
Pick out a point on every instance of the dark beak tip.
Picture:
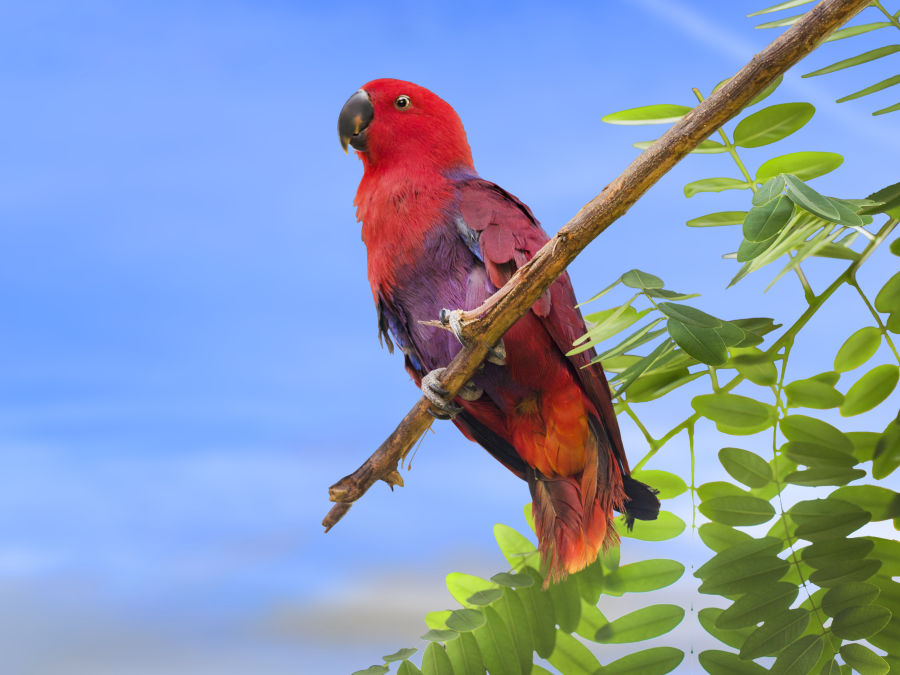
(355, 116)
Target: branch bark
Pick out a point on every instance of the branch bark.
(486, 325)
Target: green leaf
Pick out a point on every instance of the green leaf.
(641, 280)
(718, 219)
(884, 84)
(515, 617)
(400, 654)
(648, 114)
(888, 298)
(890, 108)
(780, 6)
(865, 57)
(844, 571)
(870, 390)
(566, 604)
(749, 571)
(718, 184)
(463, 586)
(496, 645)
(485, 597)
(719, 537)
(803, 429)
(719, 488)
(540, 606)
(850, 594)
(373, 670)
(857, 30)
(510, 580)
(754, 365)
(670, 295)
(812, 454)
(863, 660)
(704, 344)
(772, 124)
(642, 576)
(737, 510)
(636, 339)
(600, 294)
(437, 620)
(717, 662)
(666, 526)
(732, 638)
(653, 385)
(465, 656)
(756, 606)
(705, 148)
(858, 348)
(813, 392)
(516, 548)
(800, 656)
(440, 635)
(824, 475)
(641, 624)
(759, 326)
(734, 414)
(779, 23)
(632, 372)
(766, 221)
(747, 467)
(807, 198)
(882, 503)
(886, 453)
(570, 656)
(408, 668)
(888, 199)
(769, 190)
(826, 552)
(606, 324)
(668, 484)
(858, 623)
(435, 661)
(689, 315)
(653, 661)
(775, 634)
(803, 165)
(464, 620)
(824, 518)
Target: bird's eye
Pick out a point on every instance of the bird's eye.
(402, 102)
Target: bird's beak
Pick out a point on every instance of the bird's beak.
(353, 120)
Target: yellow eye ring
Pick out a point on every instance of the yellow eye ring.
(402, 102)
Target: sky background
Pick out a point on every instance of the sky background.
(188, 352)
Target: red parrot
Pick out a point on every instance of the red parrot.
(440, 236)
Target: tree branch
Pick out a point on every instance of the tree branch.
(487, 324)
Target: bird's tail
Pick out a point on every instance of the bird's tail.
(573, 515)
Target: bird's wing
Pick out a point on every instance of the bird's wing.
(504, 234)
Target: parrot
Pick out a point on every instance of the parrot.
(439, 236)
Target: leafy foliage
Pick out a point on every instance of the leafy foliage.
(803, 590)
(850, 31)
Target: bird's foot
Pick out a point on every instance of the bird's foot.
(442, 407)
(453, 319)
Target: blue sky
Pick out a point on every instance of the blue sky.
(188, 349)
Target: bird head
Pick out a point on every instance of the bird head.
(393, 123)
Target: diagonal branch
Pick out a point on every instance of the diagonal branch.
(487, 324)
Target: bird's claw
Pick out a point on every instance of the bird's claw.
(442, 407)
(453, 319)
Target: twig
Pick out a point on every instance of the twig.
(486, 325)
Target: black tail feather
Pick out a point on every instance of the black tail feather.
(641, 501)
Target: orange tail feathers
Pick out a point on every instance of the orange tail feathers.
(573, 515)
